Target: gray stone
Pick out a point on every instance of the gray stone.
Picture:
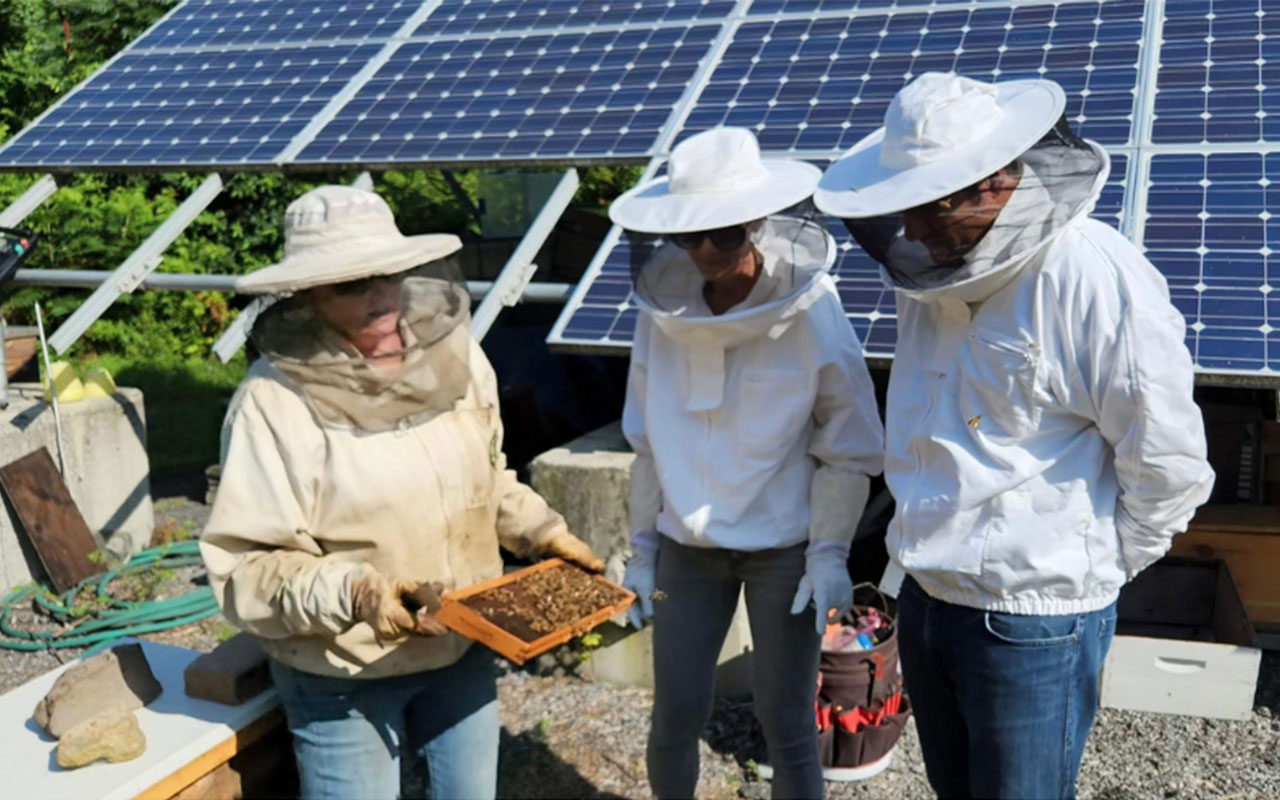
(754, 790)
(112, 734)
(118, 677)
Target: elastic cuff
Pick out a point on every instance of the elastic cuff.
(822, 548)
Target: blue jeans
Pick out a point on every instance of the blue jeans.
(1003, 702)
(347, 731)
(702, 587)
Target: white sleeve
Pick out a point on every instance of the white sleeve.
(646, 490)
(1139, 376)
(848, 437)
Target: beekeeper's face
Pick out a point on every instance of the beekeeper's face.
(362, 310)
(954, 225)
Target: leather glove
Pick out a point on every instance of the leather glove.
(642, 576)
(384, 603)
(572, 549)
(826, 582)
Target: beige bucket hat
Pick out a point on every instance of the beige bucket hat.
(335, 234)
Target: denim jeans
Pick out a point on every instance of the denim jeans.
(347, 732)
(689, 626)
(1003, 702)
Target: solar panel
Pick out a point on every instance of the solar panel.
(175, 108)
(240, 23)
(777, 7)
(1208, 228)
(595, 94)
(466, 17)
(824, 83)
(1216, 62)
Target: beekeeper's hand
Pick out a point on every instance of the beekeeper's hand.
(563, 544)
(826, 583)
(380, 601)
(642, 576)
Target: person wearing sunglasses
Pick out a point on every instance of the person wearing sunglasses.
(1043, 445)
(755, 428)
(362, 474)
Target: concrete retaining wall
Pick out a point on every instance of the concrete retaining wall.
(107, 470)
(588, 481)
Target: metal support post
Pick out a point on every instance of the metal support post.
(135, 269)
(30, 200)
(510, 284)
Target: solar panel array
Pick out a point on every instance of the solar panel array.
(1179, 92)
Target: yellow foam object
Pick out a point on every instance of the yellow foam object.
(65, 382)
(99, 383)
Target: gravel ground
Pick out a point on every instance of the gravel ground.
(563, 737)
(566, 737)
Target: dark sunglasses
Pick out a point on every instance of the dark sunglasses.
(726, 240)
(365, 284)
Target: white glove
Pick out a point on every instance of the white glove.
(642, 576)
(826, 582)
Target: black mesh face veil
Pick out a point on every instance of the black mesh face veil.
(346, 389)
(990, 222)
(792, 243)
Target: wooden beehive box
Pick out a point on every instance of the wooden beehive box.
(1248, 539)
(470, 623)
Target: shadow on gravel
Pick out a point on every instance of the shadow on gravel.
(527, 768)
(734, 731)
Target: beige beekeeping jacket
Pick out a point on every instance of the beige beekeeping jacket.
(301, 505)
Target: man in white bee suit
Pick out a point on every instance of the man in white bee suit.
(755, 428)
(1041, 440)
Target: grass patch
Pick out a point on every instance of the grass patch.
(185, 403)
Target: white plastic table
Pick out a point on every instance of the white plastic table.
(186, 738)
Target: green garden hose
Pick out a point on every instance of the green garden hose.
(110, 618)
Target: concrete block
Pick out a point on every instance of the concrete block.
(589, 482)
(625, 656)
(106, 470)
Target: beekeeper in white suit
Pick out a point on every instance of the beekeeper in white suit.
(1042, 443)
(755, 428)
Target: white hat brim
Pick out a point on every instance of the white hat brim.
(653, 208)
(858, 185)
(340, 264)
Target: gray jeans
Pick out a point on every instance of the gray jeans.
(689, 627)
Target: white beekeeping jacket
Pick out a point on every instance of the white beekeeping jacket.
(1042, 443)
(739, 420)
